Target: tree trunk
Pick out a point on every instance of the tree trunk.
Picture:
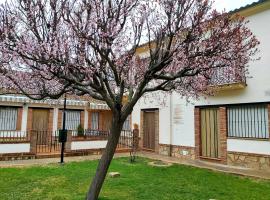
(105, 160)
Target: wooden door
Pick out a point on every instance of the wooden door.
(40, 125)
(149, 132)
(210, 143)
(40, 119)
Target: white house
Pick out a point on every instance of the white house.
(231, 127)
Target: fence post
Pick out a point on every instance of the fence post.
(33, 142)
(68, 143)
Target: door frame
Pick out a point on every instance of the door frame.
(210, 141)
(222, 134)
(156, 111)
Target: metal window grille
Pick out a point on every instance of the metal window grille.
(94, 120)
(126, 125)
(73, 119)
(8, 119)
(248, 121)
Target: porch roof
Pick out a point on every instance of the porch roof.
(70, 102)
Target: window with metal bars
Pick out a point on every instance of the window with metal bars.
(73, 119)
(248, 121)
(8, 118)
(95, 120)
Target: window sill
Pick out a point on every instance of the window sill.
(209, 158)
(256, 139)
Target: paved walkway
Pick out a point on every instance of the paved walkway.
(45, 161)
(196, 163)
(263, 174)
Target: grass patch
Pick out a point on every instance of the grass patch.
(137, 181)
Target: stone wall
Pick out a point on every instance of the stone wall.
(16, 156)
(182, 152)
(164, 149)
(255, 161)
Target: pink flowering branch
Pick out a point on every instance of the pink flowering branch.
(92, 47)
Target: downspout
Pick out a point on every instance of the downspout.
(171, 123)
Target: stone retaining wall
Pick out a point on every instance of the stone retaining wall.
(255, 161)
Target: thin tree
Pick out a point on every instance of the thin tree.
(90, 47)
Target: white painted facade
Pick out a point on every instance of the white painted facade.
(82, 145)
(15, 148)
(180, 131)
(55, 119)
(85, 119)
(249, 146)
(24, 118)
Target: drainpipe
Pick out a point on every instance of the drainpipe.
(171, 122)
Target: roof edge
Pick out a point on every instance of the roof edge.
(252, 9)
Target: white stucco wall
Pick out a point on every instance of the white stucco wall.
(15, 148)
(182, 114)
(55, 119)
(258, 87)
(183, 122)
(24, 117)
(88, 144)
(85, 119)
(249, 146)
(156, 102)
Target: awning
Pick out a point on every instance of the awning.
(99, 106)
(70, 102)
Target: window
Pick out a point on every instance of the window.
(126, 125)
(248, 121)
(73, 119)
(8, 119)
(94, 120)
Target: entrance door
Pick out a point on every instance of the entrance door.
(149, 132)
(40, 124)
(210, 133)
(40, 119)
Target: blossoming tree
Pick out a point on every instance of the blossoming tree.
(89, 47)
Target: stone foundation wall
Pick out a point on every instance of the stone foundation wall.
(164, 149)
(182, 152)
(16, 156)
(255, 161)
